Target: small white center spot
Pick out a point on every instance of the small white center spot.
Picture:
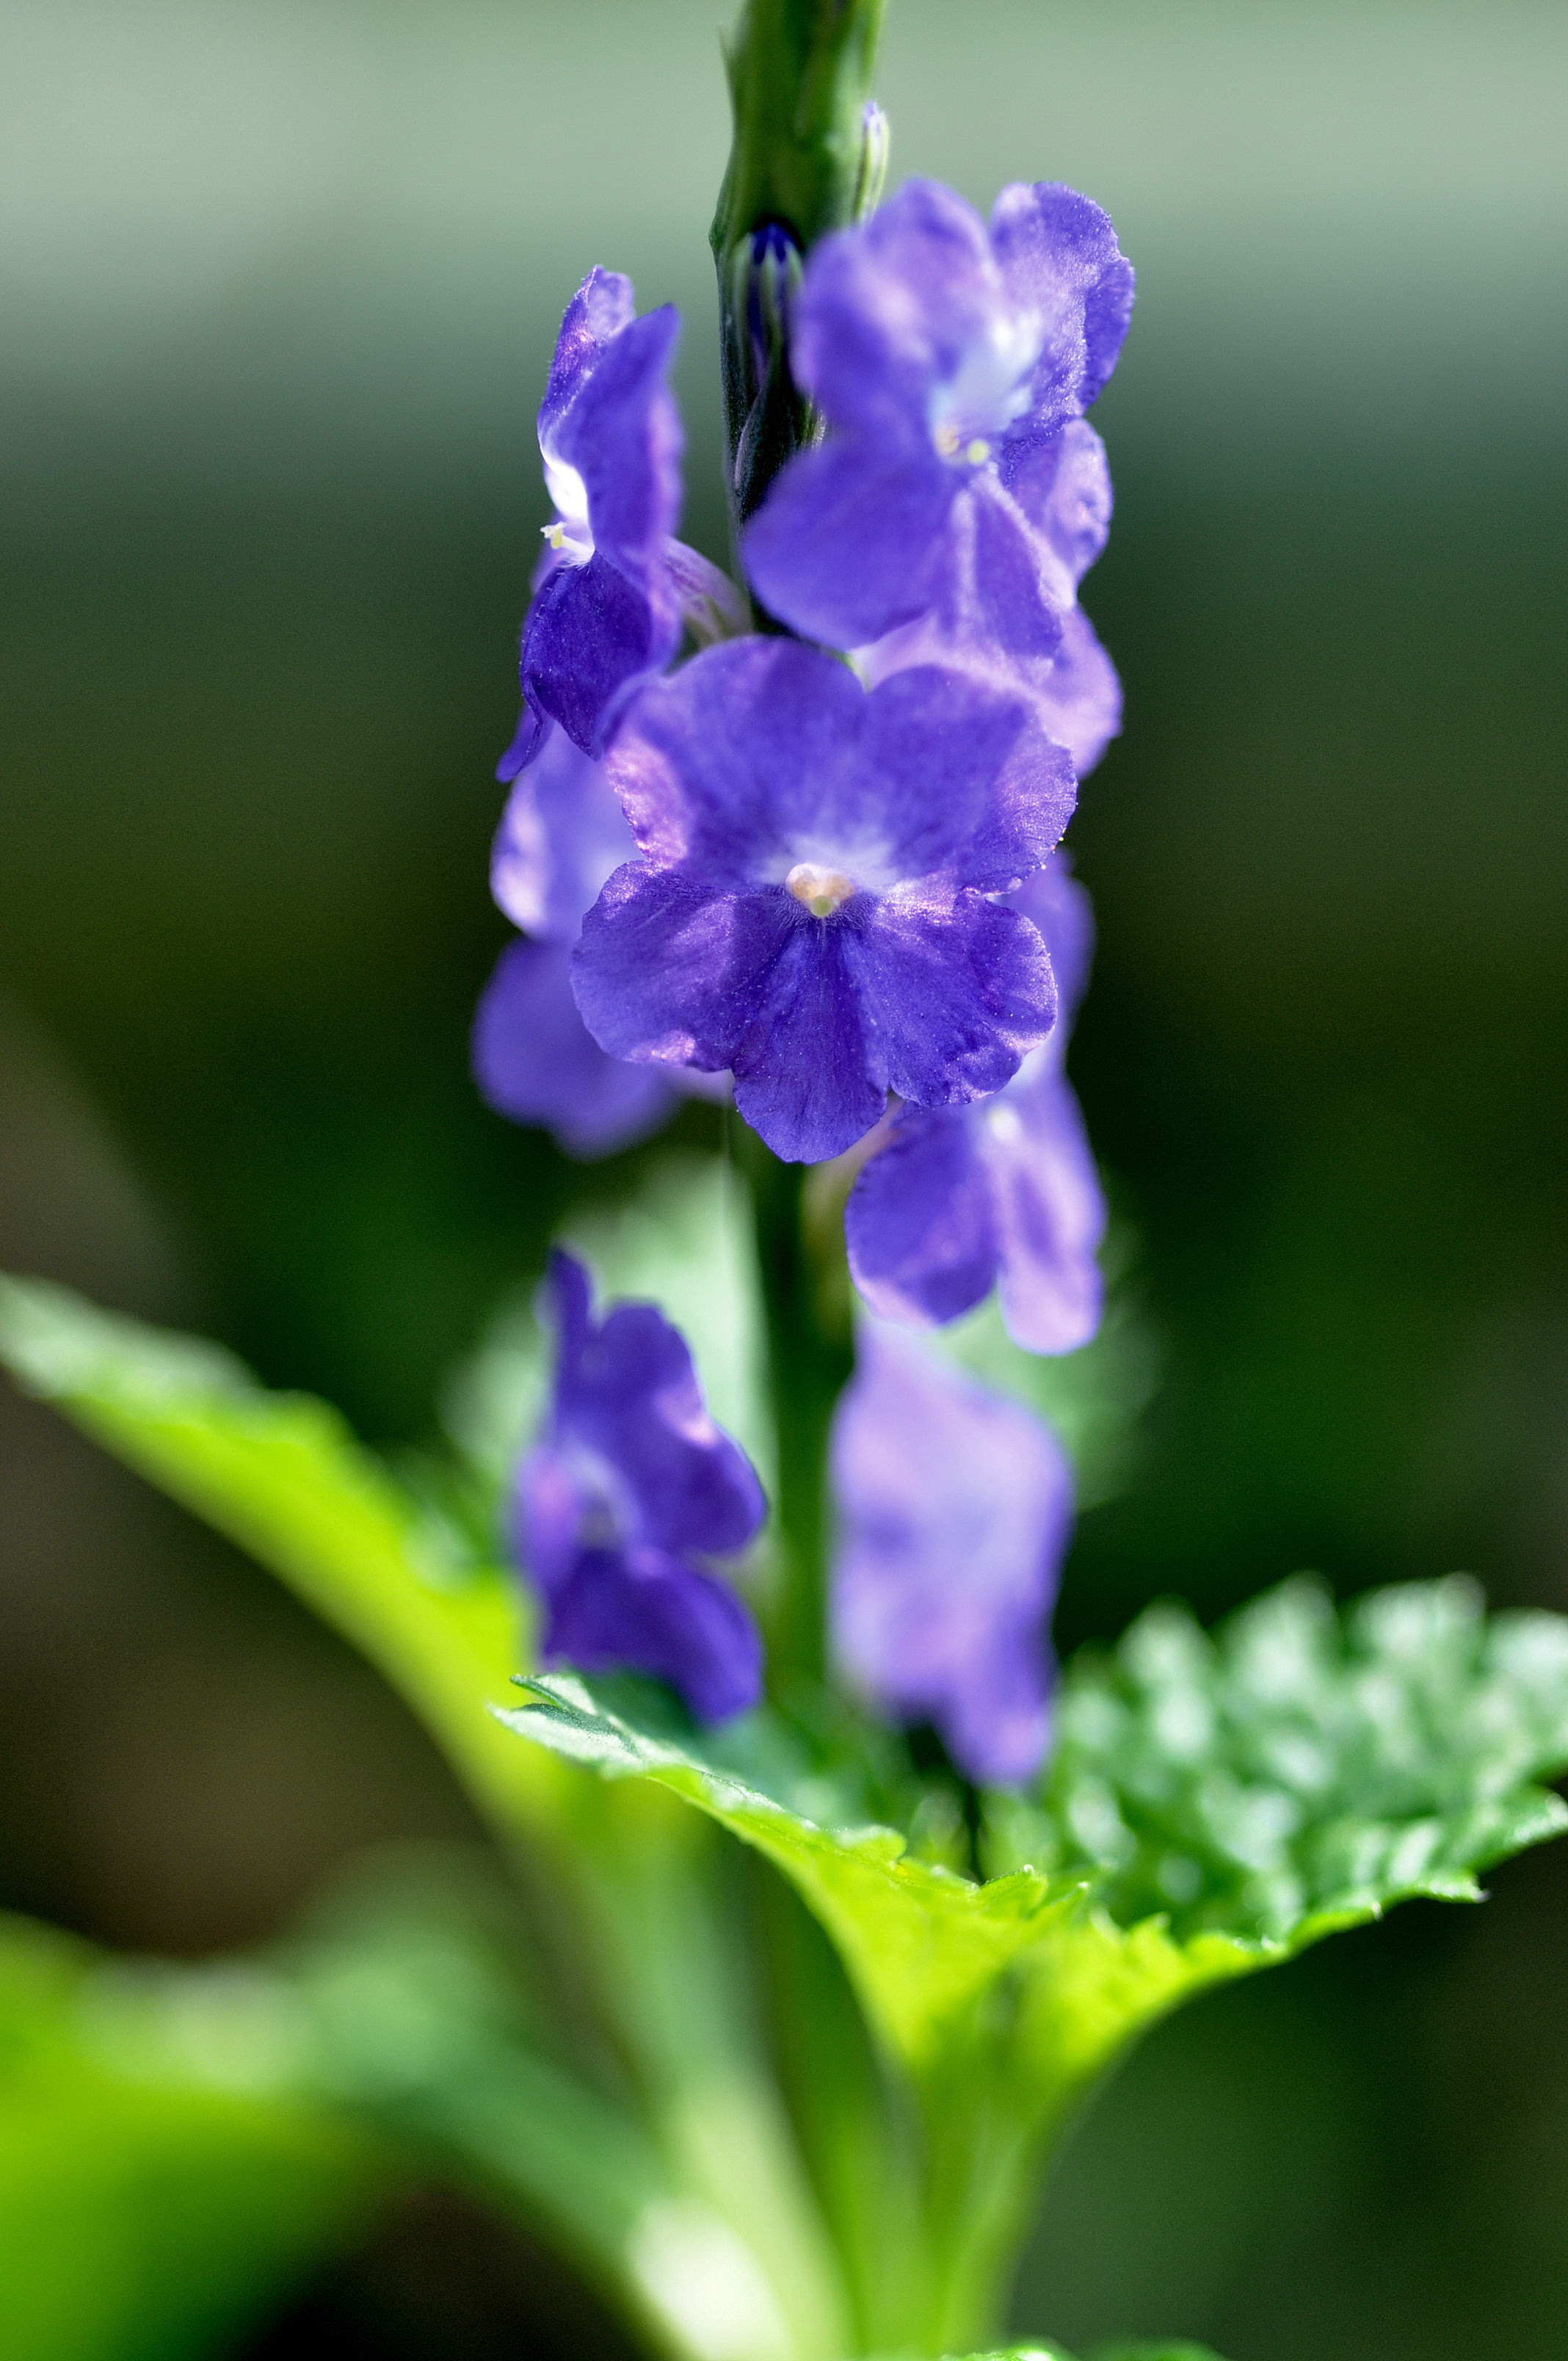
(821, 890)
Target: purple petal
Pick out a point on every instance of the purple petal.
(953, 990)
(644, 1612)
(918, 1225)
(602, 306)
(527, 741)
(1081, 696)
(982, 795)
(562, 834)
(633, 1400)
(1063, 488)
(804, 1073)
(592, 633)
(667, 968)
(850, 540)
(1049, 1212)
(535, 1061)
(1059, 258)
(1054, 902)
(889, 310)
(743, 746)
(955, 1508)
(622, 435)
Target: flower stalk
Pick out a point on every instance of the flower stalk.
(809, 156)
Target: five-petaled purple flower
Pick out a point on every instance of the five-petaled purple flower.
(812, 909)
(954, 1511)
(1004, 1194)
(561, 836)
(630, 1488)
(949, 361)
(612, 586)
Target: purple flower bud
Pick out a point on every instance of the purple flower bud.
(1003, 1193)
(955, 1507)
(627, 1488)
(813, 909)
(949, 362)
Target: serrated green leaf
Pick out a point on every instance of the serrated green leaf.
(921, 1943)
(1214, 1806)
(146, 2207)
(282, 1476)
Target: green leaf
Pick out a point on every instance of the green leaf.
(1214, 1805)
(920, 1942)
(282, 1476)
(150, 2208)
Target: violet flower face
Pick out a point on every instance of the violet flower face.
(955, 1507)
(947, 359)
(812, 909)
(605, 611)
(561, 835)
(1004, 1194)
(630, 1488)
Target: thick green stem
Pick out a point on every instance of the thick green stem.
(810, 1355)
(807, 156)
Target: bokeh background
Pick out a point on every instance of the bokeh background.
(279, 280)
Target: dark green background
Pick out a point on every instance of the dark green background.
(280, 287)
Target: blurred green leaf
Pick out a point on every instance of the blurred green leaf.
(152, 2206)
(282, 1476)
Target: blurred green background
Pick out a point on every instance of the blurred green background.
(279, 280)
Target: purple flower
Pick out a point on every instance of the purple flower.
(1002, 1195)
(812, 908)
(949, 361)
(628, 1487)
(612, 586)
(1063, 488)
(561, 836)
(954, 1510)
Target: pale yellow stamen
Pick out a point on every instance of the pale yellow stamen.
(820, 889)
(978, 453)
(555, 535)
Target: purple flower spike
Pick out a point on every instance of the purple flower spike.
(812, 908)
(631, 1483)
(1002, 1195)
(955, 1508)
(950, 361)
(605, 611)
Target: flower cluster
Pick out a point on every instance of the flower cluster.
(817, 863)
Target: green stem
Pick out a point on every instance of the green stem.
(807, 156)
(810, 1356)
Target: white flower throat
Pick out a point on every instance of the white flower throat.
(820, 888)
(571, 533)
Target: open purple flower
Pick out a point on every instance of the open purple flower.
(612, 586)
(955, 1507)
(812, 908)
(947, 359)
(561, 836)
(1004, 1194)
(628, 1490)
